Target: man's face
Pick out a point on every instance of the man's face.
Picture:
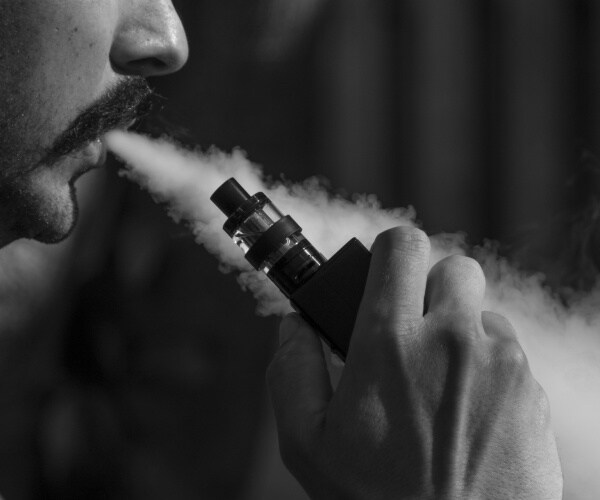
(69, 71)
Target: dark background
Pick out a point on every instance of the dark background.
(484, 115)
(131, 368)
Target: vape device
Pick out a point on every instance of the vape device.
(327, 293)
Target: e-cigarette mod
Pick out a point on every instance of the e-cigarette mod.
(326, 292)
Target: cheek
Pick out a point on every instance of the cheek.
(58, 63)
(76, 58)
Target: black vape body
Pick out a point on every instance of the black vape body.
(330, 299)
(327, 293)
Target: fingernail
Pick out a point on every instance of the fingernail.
(289, 326)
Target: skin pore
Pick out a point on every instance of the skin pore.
(58, 58)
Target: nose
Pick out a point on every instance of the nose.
(150, 39)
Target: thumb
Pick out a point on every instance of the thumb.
(298, 380)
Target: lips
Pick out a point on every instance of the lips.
(94, 153)
(103, 152)
(91, 156)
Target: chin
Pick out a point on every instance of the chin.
(55, 233)
(54, 220)
(41, 210)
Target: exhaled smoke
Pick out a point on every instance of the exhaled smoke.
(562, 342)
(185, 180)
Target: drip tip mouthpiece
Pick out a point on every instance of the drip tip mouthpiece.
(229, 197)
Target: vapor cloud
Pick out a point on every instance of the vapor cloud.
(562, 341)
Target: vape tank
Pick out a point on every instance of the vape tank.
(327, 293)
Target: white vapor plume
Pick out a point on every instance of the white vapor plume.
(562, 342)
(185, 180)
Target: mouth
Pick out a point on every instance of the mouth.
(93, 155)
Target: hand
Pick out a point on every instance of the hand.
(440, 405)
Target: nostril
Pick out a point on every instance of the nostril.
(148, 65)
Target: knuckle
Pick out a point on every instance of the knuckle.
(494, 323)
(455, 340)
(410, 239)
(463, 345)
(509, 354)
(456, 329)
(388, 321)
(386, 337)
(458, 265)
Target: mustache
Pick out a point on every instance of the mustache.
(129, 100)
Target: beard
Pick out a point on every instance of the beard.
(38, 207)
(37, 193)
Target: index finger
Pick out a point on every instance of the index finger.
(395, 290)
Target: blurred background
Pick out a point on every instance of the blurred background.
(132, 368)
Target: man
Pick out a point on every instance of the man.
(436, 399)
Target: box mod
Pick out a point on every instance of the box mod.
(327, 293)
